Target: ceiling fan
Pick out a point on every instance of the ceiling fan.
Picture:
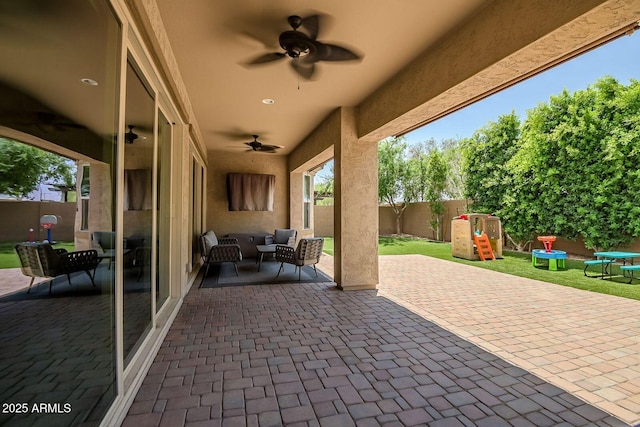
(259, 146)
(304, 49)
(130, 136)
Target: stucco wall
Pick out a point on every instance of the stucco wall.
(323, 221)
(317, 146)
(223, 221)
(19, 217)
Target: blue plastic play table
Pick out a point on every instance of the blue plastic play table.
(556, 258)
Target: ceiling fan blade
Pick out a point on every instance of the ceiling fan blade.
(305, 69)
(332, 52)
(236, 133)
(267, 149)
(312, 25)
(56, 120)
(267, 57)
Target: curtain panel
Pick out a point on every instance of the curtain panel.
(250, 192)
(137, 190)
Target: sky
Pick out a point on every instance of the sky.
(619, 58)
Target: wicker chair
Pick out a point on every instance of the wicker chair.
(214, 250)
(41, 260)
(307, 252)
(141, 259)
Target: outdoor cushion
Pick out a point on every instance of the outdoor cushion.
(210, 240)
(282, 236)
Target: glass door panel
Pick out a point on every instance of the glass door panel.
(59, 85)
(164, 209)
(138, 207)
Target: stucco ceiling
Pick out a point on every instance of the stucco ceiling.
(212, 40)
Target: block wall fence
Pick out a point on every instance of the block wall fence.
(19, 216)
(416, 219)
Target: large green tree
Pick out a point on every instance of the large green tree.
(397, 185)
(437, 172)
(485, 158)
(323, 189)
(23, 168)
(452, 154)
(576, 172)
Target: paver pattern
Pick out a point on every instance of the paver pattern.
(310, 355)
(584, 342)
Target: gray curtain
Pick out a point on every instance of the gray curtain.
(137, 190)
(250, 192)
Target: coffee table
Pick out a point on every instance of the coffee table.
(264, 249)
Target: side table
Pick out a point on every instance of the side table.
(264, 249)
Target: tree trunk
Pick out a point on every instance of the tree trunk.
(398, 217)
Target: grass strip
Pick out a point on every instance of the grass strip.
(9, 258)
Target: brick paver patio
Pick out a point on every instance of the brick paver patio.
(439, 344)
(584, 342)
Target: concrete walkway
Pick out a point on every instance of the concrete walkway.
(439, 344)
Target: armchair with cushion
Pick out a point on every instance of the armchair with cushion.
(307, 252)
(41, 260)
(282, 236)
(216, 250)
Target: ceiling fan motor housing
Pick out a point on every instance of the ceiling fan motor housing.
(296, 44)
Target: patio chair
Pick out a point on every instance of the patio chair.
(307, 252)
(141, 259)
(214, 250)
(41, 260)
(282, 236)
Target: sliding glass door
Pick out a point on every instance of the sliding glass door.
(59, 86)
(139, 203)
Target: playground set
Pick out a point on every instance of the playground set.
(476, 237)
(479, 237)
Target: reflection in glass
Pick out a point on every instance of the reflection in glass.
(138, 211)
(164, 168)
(59, 348)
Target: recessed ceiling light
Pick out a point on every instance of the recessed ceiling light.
(89, 82)
(268, 101)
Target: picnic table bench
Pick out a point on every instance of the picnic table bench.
(603, 263)
(630, 269)
(607, 259)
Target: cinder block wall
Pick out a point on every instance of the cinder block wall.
(19, 216)
(416, 219)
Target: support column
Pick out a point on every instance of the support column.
(295, 202)
(355, 208)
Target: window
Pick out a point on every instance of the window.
(85, 190)
(307, 201)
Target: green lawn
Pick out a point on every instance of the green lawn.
(515, 263)
(9, 258)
